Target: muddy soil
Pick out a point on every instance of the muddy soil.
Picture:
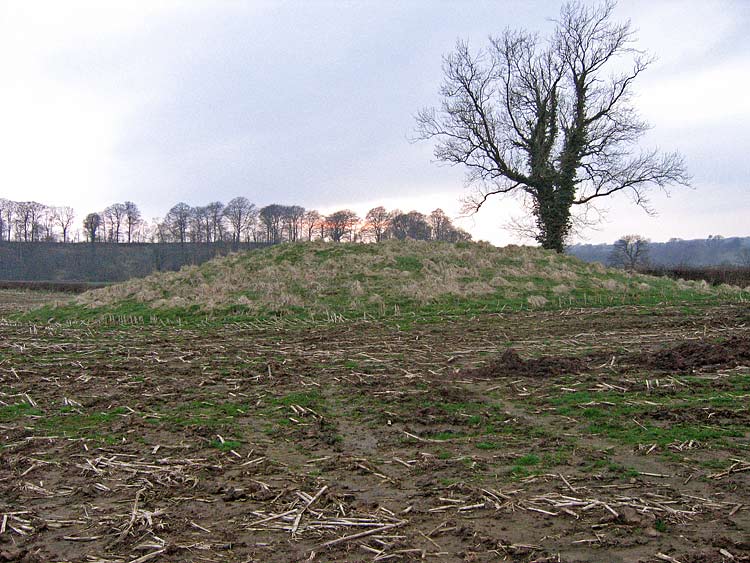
(689, 356)
(570, 437)
(511, 364)
(686, 357)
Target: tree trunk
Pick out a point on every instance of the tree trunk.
(552, 210)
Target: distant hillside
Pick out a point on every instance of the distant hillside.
(713, 251)
(389, 278)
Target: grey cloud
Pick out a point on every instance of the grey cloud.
(312, 102)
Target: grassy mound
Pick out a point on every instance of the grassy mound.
(326, 280)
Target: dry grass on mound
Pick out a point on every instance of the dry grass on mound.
(337, 277)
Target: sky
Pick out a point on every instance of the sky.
(312, 102)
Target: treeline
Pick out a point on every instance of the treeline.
(238, 221)
(103, 261)
(715, 275)
(678, 253)
(30, 221)
(242, 221)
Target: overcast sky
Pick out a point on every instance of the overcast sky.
(311, 102)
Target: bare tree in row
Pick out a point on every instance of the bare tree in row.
(412, 225)
(132, 220)
(239, 221)
(7, 209)
(64, 216)
(241, 215)
(116, 223)
(113, 217)
(292, 220)
(271, 217)
(377, 221)
(630, 252)
(341, 224)
(381, 224)
(29, 221)
(26, 221)
(312, 224)
(177, 222)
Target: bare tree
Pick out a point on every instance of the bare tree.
(311, 222)
(551, 119)
(114, 217)
(27, 220)
(457, 234)
(143, 231)
(271, 217)
(292, 219)
(197, 224)
(411, 225)
(630, 252)
(443, 228)
(340, 224)
(132, 219)
(376, 225)
(177, 222)
(240, 213)
(440, 223)
(4, 205)
(258, 231)
(159, 230)
(216, 218)
(7, 212)
(64, 216)
(47, 222)
(202, 224)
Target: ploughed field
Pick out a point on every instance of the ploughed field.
(611, 434)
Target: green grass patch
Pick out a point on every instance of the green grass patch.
(631, 433)
(10, 413)
(488, 446)
(76, 424)
(528, 460)
(408, 264)
(226, 445)
(201, 413)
